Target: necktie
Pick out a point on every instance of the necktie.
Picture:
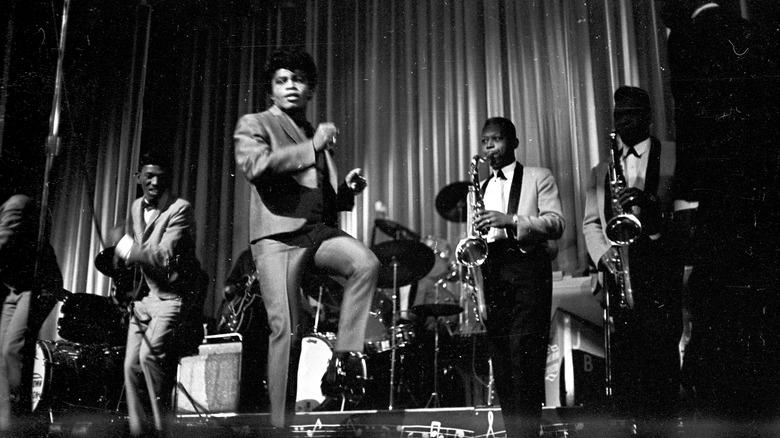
(631, 151)
(148, 205)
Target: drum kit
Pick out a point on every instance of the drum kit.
(83, 371)
(405, 259)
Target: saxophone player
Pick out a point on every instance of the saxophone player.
(522, 215)
(645, 359)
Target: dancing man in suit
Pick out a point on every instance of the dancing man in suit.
(160, 241)
(27, 292)
(650, 331)
(295, 202)
(523, 215)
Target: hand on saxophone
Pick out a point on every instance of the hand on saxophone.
(609, 258)
(642, 205)
(492, 219)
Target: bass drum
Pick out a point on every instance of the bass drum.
(316, 351)
(92, 319)
(67, 375)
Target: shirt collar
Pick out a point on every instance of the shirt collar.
(640, 148)
(508, 171)
(703, 7)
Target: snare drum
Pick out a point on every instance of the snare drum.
(70, 375)
(379, 318)
(404, 335)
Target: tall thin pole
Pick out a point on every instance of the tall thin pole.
(53, 139)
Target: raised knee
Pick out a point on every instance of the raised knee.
(369, 265)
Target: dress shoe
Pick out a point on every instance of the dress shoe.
(345, 376)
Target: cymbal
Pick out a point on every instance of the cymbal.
(413, 260)
(436, 310)
(451, 201)
(396, 230)
(104, 262)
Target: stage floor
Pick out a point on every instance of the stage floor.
(467, 422)
(407, 423)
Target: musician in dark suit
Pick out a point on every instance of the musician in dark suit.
(645, 356)
(724, 75)
(160, 243)
(523, 215)
(295, 202)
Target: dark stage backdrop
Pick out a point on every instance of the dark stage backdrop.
(408, 82)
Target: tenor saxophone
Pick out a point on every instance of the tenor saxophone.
(472, 251)
(623, 228)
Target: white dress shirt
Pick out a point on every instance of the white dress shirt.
(635, 168)
(497, 197)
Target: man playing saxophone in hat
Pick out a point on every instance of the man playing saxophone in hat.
(645, 305)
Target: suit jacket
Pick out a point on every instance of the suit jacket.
(534, 198)
(165, 247)
(18, 249)
(660, 171)
(277, 157)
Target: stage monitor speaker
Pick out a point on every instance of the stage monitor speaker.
(575, 373)
(210, 382)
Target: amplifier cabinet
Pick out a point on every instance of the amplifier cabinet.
(210, 382)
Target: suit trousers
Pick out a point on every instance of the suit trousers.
(281, 261)
(518, 291)
(148, 354)
(13, 339)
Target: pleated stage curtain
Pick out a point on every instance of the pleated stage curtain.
(409, 83)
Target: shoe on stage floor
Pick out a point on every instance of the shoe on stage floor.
(346, 376)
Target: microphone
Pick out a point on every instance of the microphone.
(357, 182)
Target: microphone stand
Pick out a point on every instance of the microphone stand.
(53, 139)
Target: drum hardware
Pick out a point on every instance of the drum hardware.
(451, 201)
(68, 374)
(394, 230)
(402, 262)
(437, 311)
(91, 319)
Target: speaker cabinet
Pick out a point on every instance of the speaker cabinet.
(575, 374)
(210, 382)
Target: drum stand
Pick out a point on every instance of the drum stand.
(392, 332)
(434, 400)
